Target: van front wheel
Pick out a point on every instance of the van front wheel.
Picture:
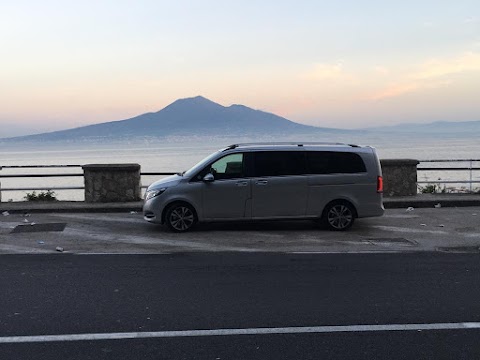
(180, 217)
(339, 216)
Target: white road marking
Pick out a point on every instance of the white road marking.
(248, 331)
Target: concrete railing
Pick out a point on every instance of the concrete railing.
(112, 182)
(121, 182)
(399, 177)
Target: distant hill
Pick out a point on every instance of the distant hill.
(185, 117)
(450, 128)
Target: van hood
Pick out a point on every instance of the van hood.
(167, 182)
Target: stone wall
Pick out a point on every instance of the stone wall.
(399, 177)
(112, 182)
(122, 182)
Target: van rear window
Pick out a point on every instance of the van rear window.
(329, 162)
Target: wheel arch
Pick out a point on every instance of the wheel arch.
(340, 201)
(175, 202)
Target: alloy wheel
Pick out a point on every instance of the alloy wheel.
(181, 218)
(340, 217)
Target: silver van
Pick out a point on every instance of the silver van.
(331, 183)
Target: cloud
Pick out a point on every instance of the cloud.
(331, 72)
(442, 67)
(431, 74)
(395, 90)
(382, 70)
(400, 89)
(471, 20)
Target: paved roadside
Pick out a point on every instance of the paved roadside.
(421, 229)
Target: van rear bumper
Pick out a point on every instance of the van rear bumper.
(371, 210)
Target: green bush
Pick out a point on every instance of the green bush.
(48, 195)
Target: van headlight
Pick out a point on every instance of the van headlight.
(152, 193)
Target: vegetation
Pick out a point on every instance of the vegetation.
(433, 189)
(48, 195)
(438, 189)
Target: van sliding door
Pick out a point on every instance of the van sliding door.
(279, 186)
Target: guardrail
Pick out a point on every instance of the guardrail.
(470, 168)
(420, 169)
(54, 175)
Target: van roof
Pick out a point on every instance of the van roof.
(273, 145)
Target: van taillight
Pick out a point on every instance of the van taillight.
(379, 184)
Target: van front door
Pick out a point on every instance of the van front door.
(226, 197)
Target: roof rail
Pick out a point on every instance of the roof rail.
(233, 146)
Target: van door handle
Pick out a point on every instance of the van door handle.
(242, 183)
(261, 182)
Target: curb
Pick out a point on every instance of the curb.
(69, 207)
(432, 200)
(82, 207)
(429, 204)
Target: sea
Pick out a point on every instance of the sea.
(181, 153)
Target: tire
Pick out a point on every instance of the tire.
(180, 217)
(339, 216)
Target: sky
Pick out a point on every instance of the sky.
(343, 64)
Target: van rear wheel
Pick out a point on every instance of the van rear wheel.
(180, 217)
(339, 216)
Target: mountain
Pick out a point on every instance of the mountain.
(199, 116)
(185, 117)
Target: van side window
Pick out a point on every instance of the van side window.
(228, 167)
(329, 162)
(278, 163)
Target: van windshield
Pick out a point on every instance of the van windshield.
(199, 166)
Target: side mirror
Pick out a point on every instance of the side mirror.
(208, 178)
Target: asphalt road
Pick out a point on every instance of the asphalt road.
(150, 296)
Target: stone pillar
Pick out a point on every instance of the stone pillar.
(399, 177)
(112, 182)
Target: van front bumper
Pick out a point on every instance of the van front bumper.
(152, 210)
